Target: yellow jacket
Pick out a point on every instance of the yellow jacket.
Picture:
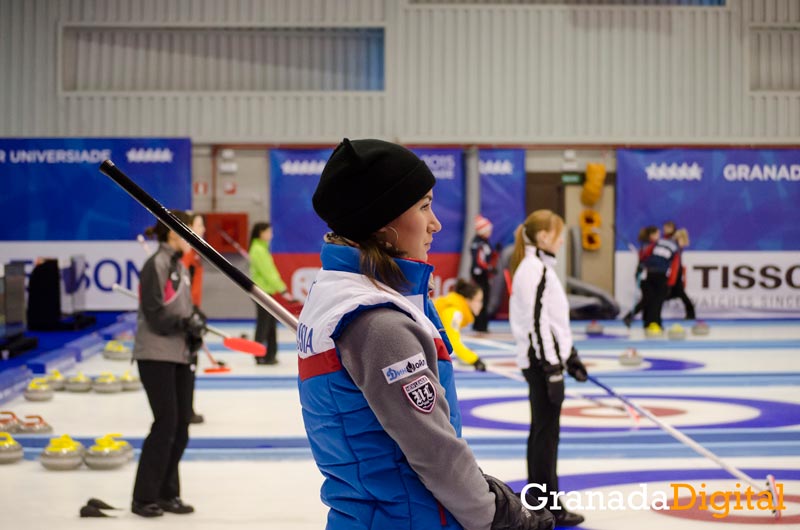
(455, 314)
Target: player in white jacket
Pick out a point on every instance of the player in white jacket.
(539, 317)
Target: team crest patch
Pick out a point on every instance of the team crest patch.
(421, 393)
(402, 369)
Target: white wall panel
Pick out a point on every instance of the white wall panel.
(574, 2)
(506, 73)
(102, 58)
(255, 117)
(564, 74)
(130, 82)
(293, 13)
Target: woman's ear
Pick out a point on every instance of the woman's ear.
(382, 235)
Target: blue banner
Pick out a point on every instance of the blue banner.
(294, 174)
(53, 190)
(502, 173)
(728, 199)
(447, 166)
(294, 177)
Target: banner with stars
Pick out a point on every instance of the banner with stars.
(294, 174)
(52, 189)
(55, 203)
(298, 232)
(740, 209)
(728, 199)
(502, 175)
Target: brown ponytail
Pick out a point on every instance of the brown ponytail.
(536, 222)
(376, 261)
(161, 231)
(519, 250)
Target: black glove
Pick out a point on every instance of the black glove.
(575, 367)
(193, 344)
(195, 328)
(195, 324)
(509, 512)
(193, 355)
(555, 382)
(479, 365)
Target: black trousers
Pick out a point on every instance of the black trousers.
(266, 333)
(543, 437)
(677, 291)
(482, 319)
(637, 308)
(169, 391)
(654, 294)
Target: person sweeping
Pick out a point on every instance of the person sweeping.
(457, 309)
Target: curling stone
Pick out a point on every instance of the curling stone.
(700, 328)
(125, 335)
(127, 449)
(105, 454)
(676, 332)
(36, 425)
(10, 423)
(10, 450)
(55, 380)
(106, 383)
(594, 328)
(653, 330)
(630, 357)
(116, 351)
(78, 383)
(62, 453)
(38, 390)
(130, 382)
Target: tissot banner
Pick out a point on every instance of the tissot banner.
(502, 173)
(56, 203)
(298, 232)
(740, 209)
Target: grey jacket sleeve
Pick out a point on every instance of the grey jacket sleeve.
(152, 280)
(375, 341)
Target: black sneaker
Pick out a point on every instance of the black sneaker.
(175, 505)
(146, 509)
(97, 503)
(628, 320)
(92, 511)
(565, 518)
(196, 418)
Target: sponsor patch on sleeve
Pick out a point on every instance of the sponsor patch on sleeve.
(402, 369)
(421, 393)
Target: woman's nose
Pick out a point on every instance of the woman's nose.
(435, 225)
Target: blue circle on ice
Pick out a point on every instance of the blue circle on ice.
(770, 413)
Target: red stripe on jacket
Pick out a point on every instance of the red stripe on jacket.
(328, 361)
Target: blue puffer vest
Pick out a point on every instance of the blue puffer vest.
(368, 482)
(661, 256)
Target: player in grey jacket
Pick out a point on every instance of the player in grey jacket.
(168, 335)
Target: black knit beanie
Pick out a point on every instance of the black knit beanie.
(368, 183)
